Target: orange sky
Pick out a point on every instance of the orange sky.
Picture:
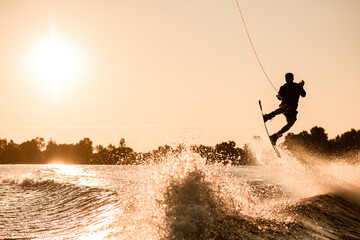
(166, 71)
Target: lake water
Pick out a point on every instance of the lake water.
(181, 198)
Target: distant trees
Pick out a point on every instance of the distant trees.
(348, 142)
(30, 151)
(9, 152)
(114, 155)
(226, 153)
(36, 151)
(79, 153)
(26, 152)
(317, 142)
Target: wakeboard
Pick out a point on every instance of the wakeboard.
(267, 132)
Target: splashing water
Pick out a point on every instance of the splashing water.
(182, 198)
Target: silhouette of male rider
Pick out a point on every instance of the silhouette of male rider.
(289, 95)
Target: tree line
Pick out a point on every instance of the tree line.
(316, 141)
(36, 151)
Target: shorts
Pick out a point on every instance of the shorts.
(288, 111)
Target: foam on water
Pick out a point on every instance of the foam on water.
(313, 177)
(181, 197)
(203, 202)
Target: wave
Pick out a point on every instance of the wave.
(184, 198)
(47, 209)
(195, 210)
(207, 203)
(329, 216)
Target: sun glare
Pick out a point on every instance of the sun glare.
(54, 63)
(65, 169)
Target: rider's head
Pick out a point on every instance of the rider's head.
(289, 77)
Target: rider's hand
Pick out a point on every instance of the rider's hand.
(302, 83)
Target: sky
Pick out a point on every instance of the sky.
(170, 71)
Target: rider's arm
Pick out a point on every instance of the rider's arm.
(280, 95)
(302, 91)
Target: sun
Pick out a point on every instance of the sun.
(55, 63)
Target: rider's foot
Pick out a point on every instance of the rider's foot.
(266, 117)
(275, 137)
